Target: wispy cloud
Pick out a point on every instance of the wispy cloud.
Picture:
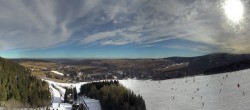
(31, 24)
(24, 26)
(111, 42)
(196, 21)
(194, 47)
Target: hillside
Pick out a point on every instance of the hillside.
(224, 91)
(20, 89)
(207, 64)
(157, 69)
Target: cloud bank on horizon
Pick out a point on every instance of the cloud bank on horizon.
(36, 24)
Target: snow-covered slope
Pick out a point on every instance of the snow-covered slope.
(212, 92)
(56, 95)
(58, 90)
(56, 72)
(93, 104)
(77, 85)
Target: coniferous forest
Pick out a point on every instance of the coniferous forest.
(70, 95)
(113, 96)
(17, 85)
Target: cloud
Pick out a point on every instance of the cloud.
(111, 42)
(32, 24)
(120, 36)
(197, 21)
(100, 35)
(193, 47)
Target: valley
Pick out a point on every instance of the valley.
(219, 91)
(163, 83)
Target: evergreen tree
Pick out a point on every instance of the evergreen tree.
(113, 96)
(17, 83)
(3, 95)
(75, 94)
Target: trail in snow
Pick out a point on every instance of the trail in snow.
(57, 99)
(91, 103)
(56, 95)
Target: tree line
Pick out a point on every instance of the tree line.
(17, 83)
(113, 96)
(70, 95)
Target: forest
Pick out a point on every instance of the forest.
(19, 88)
(70, 95)
(113, 96)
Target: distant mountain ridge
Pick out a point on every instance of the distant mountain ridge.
(161, 68)
(202, 63)
(207, 64)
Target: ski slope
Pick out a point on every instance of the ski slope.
(56, 95)
(211, 92)
(57, 99)
(93, 104)
(77, 85)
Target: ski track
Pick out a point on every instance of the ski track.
(56, 95)
(91, 103)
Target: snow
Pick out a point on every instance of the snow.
(65, 106)
(77, 85)
(57, 99)
(56, 95)
(211, 92)
(56, 72)
(91, 103)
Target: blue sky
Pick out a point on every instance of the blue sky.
(119, 29)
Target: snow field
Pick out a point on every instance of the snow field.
(56, 72)
(211, 92)
(91, 103)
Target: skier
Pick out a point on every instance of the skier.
(238, 85)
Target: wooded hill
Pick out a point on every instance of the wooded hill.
(19, 89)
(113, 96)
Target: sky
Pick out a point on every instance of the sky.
(122, 28)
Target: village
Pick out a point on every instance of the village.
(72, 74)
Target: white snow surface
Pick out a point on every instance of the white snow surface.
(208, 92)
(56, 95)
(195, 93)
(77, 85)
(91, 103)
(56, 72)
